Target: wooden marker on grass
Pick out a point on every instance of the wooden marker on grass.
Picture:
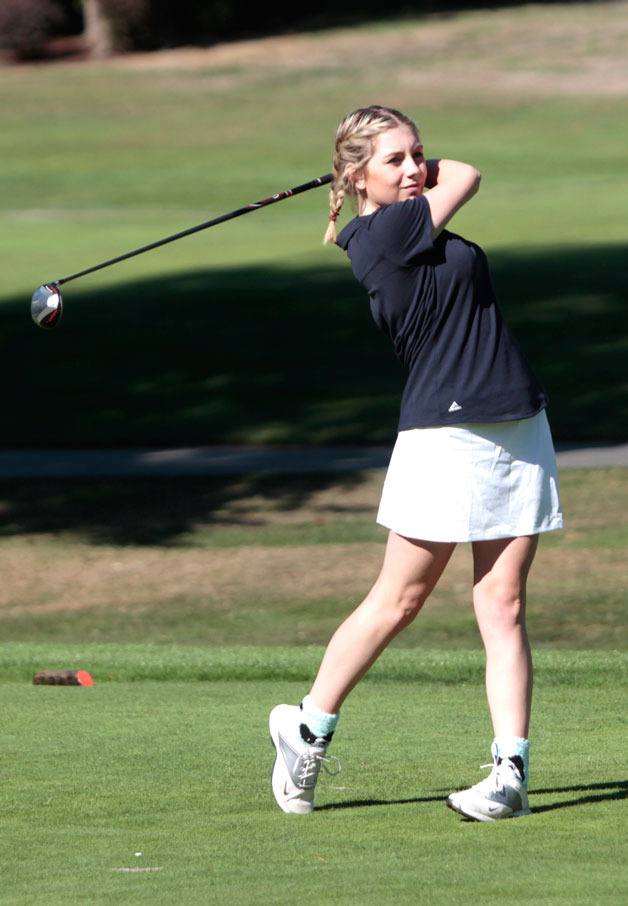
(63, 678)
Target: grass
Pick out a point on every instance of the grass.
(253, 332)
(135, 663)
(179, 772)
(167, 754)
(153, 785)
(274, 560)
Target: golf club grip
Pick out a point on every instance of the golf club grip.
(312, 184)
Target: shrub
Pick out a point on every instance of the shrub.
(26, 25)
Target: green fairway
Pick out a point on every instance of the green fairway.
(253, 332)
(178, 772)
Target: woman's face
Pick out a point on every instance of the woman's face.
(396, 171)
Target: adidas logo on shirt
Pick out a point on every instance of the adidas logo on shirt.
(454, 407)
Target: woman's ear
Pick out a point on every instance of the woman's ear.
(359, 180)
(356, 177)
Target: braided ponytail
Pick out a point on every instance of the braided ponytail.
(336, 199)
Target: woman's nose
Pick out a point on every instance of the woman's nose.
(412, 166)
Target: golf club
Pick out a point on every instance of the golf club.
(47, 301)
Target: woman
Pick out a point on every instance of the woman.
(473, 460)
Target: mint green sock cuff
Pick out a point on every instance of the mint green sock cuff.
(508, 746)
(320, 723)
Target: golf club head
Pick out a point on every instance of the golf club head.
(47, 306)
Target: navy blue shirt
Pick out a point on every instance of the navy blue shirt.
(436, 302)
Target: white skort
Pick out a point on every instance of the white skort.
(473, 481)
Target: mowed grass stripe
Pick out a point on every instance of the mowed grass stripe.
(123, 663)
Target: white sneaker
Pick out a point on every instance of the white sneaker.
(300, 756)
(502, 794)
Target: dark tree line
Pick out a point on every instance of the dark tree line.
(117, 26)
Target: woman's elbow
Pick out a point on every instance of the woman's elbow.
(475, 177)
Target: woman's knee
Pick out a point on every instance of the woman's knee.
(501, 601)
(400, 606)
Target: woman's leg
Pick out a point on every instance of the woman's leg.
(410, 571)
(499, 596)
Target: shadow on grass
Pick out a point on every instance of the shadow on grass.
(290, 355)
(154, 511)
(367, 803)
(618, 789)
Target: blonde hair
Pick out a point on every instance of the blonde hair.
(355, 143)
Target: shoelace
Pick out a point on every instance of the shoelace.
(494, 780)
(500, 774)
(310, 766)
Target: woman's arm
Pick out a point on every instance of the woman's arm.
(449, 185)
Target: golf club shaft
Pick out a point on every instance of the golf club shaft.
(319, 181)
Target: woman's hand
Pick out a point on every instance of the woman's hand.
(449, 185)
